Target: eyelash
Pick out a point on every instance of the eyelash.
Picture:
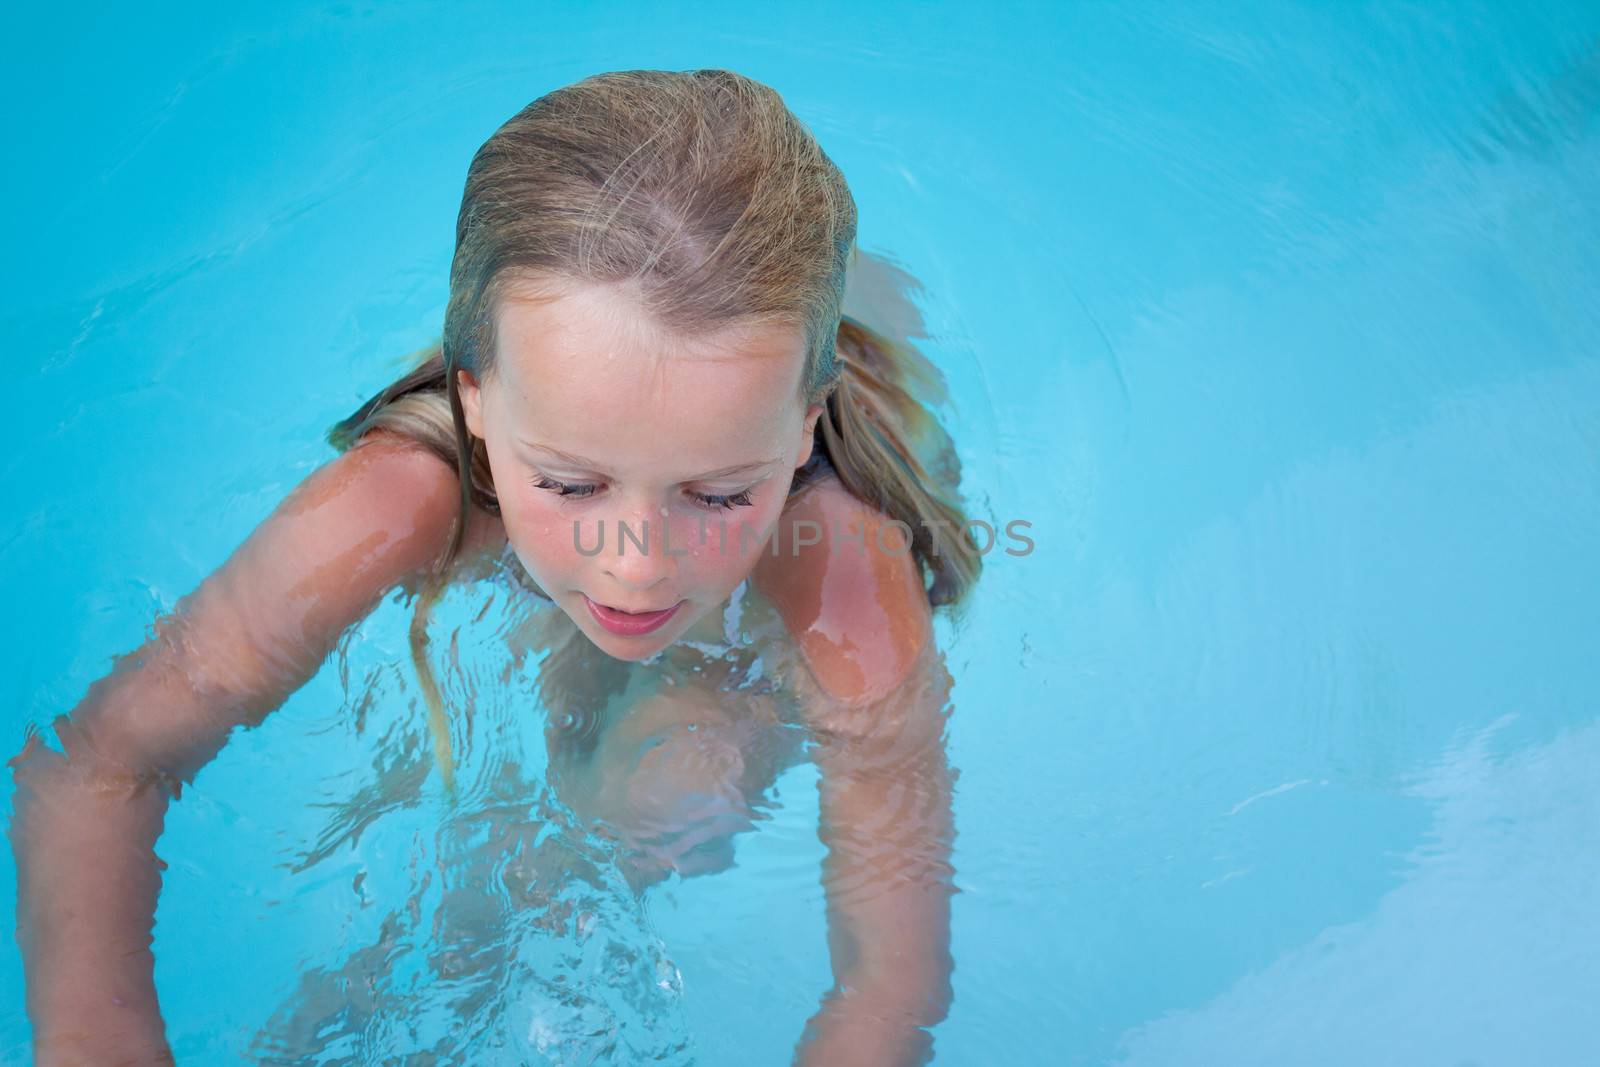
(712, 501)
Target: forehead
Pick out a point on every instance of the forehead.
(586, 370)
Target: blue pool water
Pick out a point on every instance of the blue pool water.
(1280, 325)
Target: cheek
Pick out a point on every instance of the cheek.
(539, 532)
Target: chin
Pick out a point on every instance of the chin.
(627, 649)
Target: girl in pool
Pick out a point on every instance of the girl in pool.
(648, 399)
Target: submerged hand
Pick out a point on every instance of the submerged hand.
(684, 804)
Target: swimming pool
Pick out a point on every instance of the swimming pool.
(1278, 324)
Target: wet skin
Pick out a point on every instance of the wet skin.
(675, 771)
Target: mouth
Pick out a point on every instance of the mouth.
(630, 623)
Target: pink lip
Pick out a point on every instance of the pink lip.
(630, 624)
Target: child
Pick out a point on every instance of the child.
(647, 394)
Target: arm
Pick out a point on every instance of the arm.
(886, 820)
(874, 690)
(86, 822)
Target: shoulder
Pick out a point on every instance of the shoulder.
(853, 601)
(397, 476)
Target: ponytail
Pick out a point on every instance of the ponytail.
(889, 451)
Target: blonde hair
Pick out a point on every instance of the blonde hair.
(702, 190)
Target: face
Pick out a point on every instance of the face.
(637, 472)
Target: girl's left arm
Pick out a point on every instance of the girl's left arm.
(886, 821)
(874, 691)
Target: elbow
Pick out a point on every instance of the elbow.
(35, 767)
(922, 1012)
(72, 814)
(45, 779)
(41, 780)
(915, 994)
(930, 1002)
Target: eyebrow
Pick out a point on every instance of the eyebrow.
(591, 465)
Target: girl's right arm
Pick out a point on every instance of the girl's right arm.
(86, 823)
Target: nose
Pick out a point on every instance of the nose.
(636, 557)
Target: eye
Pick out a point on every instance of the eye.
(724, 501)
(579, 489)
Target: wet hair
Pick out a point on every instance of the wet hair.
(704, 193)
